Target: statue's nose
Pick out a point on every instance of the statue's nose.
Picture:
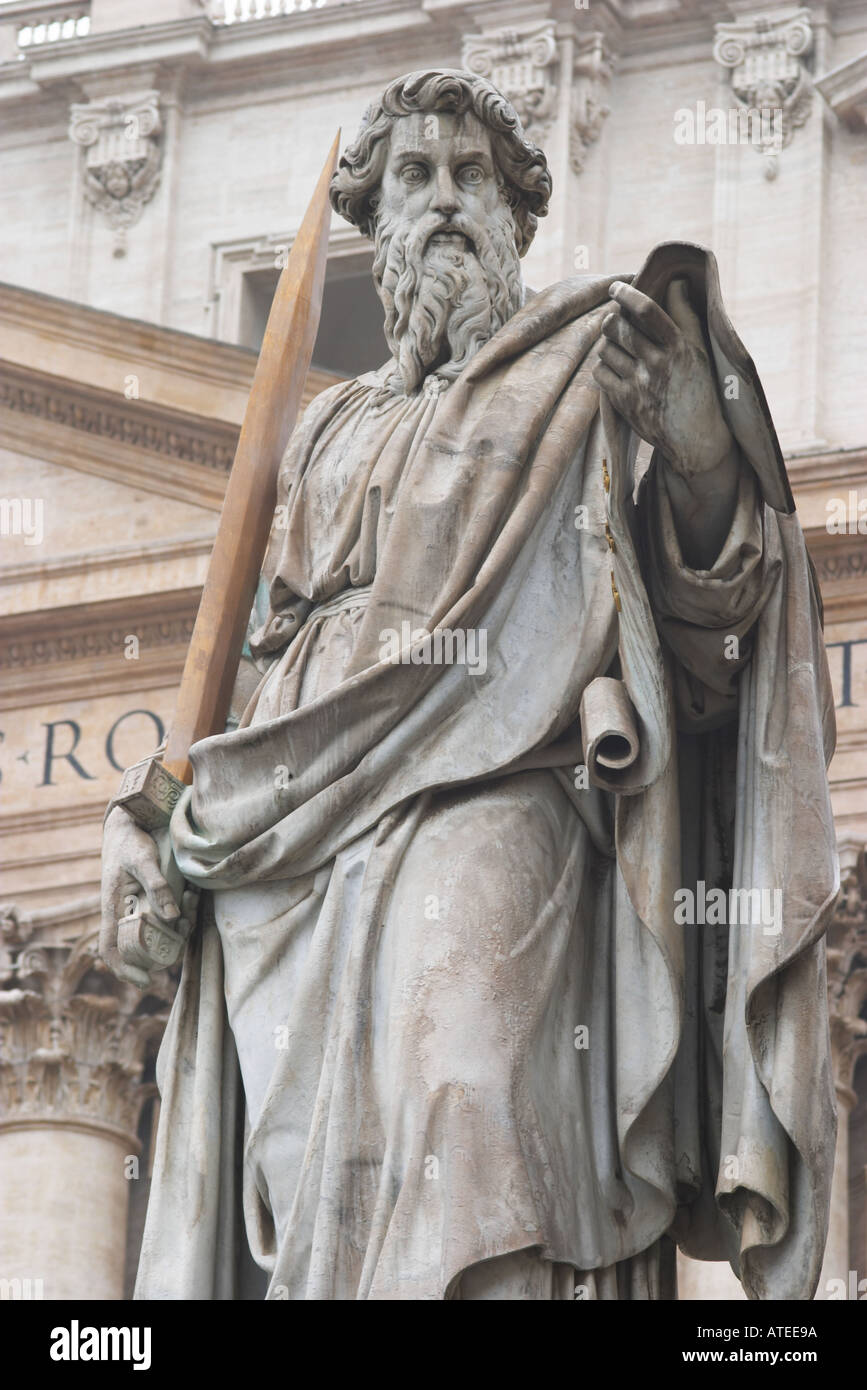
(446, 195)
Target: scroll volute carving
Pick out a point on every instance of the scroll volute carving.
(521, 63)
(123, 155)
(767, 57)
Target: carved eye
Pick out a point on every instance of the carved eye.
(472, 174)
(413, 174)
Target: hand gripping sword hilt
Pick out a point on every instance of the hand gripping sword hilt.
(150, 793)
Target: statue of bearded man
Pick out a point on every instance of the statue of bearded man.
(508, 974)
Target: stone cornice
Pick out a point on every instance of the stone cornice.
(106, 557)
(85, 563)
(841, 568)
(38, 436)
(98, 677)
(845, 91)
(173, 434)
(80, 630)
(186, 40)
(347, 28)
(828, 467)
(169, 452)
(195, 43)
(178, 371)
(36, 823)
(327, 35)
(78, 651)
(840, 560)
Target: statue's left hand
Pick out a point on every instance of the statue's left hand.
(655, 370)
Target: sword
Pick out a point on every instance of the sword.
(150, 789)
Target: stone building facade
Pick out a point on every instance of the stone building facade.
(155, 162)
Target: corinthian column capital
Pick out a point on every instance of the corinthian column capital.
(73, 1039)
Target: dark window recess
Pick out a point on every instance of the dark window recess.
(350, 339)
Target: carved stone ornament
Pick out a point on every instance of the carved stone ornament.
(149, 792)
(520, 63)
(73, 1038)
(594, 65)
(767, 57)
(123, 155)
(847, 964)
(206, 442)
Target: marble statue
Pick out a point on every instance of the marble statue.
(507, 976)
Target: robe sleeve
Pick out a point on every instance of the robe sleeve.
(706, 617)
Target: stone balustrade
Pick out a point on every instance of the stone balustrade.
(240, 11)
(42, 22)
(26, 26)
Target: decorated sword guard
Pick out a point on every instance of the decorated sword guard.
(146, 942)
(149, 792)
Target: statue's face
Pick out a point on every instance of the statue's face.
(446, 262)
(439, 163)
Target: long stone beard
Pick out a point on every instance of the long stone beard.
(444, 299)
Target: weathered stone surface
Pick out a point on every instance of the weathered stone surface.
(253, 110)
(404, 1068)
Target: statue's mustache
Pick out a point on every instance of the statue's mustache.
(409, 244)
(424, 234)
(449, 231)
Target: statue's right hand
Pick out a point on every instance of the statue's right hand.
(130, 866)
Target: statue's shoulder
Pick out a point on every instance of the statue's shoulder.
(340, 392)
(341, 398)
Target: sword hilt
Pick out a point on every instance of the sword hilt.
(149, 792)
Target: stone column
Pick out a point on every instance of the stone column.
(73, 1040)
(847, 993)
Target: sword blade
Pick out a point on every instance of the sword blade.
(248, 508)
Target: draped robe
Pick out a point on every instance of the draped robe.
(376, 1077)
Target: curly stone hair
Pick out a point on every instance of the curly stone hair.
(522, 166)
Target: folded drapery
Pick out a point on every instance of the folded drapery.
(492, 484)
